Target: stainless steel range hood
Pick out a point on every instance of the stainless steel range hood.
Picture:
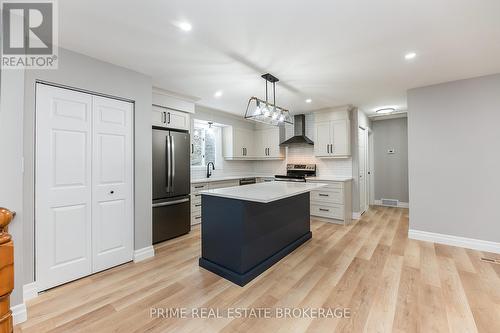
(299, 132)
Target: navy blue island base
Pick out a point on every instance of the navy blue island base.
(241, 239)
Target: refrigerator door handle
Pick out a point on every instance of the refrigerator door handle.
(172, 150)
(169, 203)
(169, 162)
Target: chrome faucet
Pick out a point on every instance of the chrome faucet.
(208, 169)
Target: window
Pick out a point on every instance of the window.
(206, 143)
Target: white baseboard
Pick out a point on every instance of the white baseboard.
(29, 291)
(19, 314)
(400, 204)
(469, 243)
(144, 253)
(356, 215)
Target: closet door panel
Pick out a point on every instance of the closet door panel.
(112, 218)
(62, 185)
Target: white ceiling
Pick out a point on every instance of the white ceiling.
(336, 52)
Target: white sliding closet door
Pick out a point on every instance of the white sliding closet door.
(112, 221)
(83, 184)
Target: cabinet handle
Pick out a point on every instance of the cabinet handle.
(197, 195)
(324, 210)
(192, 148)
(169, 117)
(197, 217)
(328, 149)
(197, 205)
(323, 195)
(163, 117)
(331, 148)
(199, 186)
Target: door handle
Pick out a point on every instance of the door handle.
(169, 162)
(169, 203)
(172, 152)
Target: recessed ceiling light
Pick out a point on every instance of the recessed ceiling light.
(184, 26)
(309, 100)
(410, 55)
(385, 110)
(218, 93)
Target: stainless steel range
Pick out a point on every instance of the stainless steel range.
(297, 173)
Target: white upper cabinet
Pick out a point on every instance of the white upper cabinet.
(170, 111)
(168, 118)
(267, 143)
(332, 134)
(249, 144)
(237, 143)
(322, 138)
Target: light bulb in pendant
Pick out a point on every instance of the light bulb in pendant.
(266, 111)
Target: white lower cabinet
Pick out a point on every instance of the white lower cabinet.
(332, 202)
(196, 196)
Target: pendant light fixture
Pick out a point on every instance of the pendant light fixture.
(266, 112)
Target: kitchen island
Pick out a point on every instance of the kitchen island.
(247, 229)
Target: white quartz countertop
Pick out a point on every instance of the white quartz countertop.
(329, 178)
(223, 178)
(264, 192)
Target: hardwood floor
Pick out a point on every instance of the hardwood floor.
(388, 282)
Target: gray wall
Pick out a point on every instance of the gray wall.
(11, 177)
(454, 158)
(391, 170)
(82, 72)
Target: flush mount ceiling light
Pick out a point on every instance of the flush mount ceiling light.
(308, 100)
(266, 112)
(385, 110)
(410, 55)
(184, 26)
(218, 93)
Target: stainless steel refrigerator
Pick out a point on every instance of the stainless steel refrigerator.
(171, 184)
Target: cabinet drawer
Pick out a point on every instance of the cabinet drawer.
(331, 185)
(195, 206)
(195, 211)
(331, 211)
(224, 184)
(333, 195)
(195, 188)
(195, 219)
(195, 199)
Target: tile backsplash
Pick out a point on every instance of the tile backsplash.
(298, 154)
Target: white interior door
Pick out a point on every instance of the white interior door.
(83, 184)
(112, 215)
(63, 185)
(362, 144)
